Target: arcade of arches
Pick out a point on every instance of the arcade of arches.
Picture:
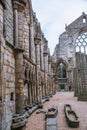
(28, 73)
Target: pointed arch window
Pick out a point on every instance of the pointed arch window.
(81, 43)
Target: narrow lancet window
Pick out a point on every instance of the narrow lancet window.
(84, 20)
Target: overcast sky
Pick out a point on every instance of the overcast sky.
(54, 14)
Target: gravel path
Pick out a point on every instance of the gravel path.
(37, 121)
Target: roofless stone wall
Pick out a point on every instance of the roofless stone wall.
(26, 73)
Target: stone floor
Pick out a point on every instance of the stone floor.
(37, 122)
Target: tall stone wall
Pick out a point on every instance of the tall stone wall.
(26, 75)
(7, 66)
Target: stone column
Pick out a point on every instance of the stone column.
(44, 75)
(83, 76)
(46, 71)
(37, 50)
(19, 82)
(79, 71)
(18, 36)
(50, 83)
(77, 74)
(75, 81)
(32, 42)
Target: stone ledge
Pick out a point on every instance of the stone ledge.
(19, 120)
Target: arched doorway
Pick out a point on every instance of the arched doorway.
(61, 74)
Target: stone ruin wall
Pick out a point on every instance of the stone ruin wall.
(16, 56)
(65, 50)
(7, 63)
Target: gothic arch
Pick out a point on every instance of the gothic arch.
(62, 61)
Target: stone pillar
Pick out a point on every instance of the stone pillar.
(18, 36)
(32, 42)
(37, 52)
(46, 71)
(49, 72)
(77, 74)
(44, 75)
(75, 81)
(19, 82)
(31, 33)
(83, 75)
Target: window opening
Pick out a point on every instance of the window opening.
(81, 43)
(12, 96)
(84, 20)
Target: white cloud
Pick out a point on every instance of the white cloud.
(53, 14)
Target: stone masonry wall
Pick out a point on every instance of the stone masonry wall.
(9, 78)
(7, 66)
(8, 22)
(26, 38)
(2, 43)
(14, 84)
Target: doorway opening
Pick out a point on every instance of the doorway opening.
(62, 75)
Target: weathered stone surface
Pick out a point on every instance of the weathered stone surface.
(67, 47)
(51, 123)
(8, 22)
(24, 73)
